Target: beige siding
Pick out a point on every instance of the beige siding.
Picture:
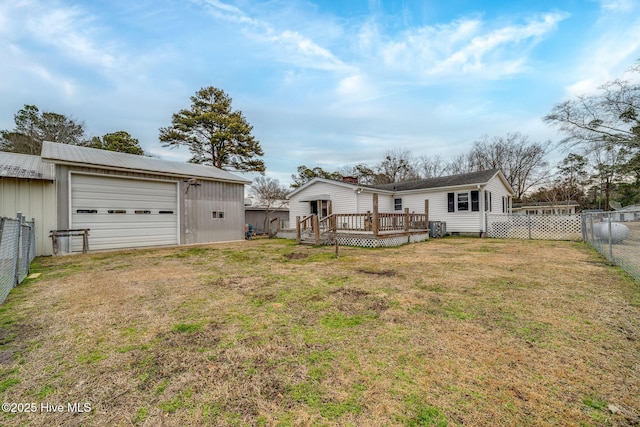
(34, 199)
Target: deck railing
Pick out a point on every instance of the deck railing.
(362, 222)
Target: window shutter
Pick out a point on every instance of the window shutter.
(475, 201)
(451, 202)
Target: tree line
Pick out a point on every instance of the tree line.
(601, 135)
(215, 134)
(33, 126)
(601, 169)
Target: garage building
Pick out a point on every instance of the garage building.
(130, 201)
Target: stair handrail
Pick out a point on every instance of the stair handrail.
(302, 225)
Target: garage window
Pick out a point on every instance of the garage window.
(217, 214)
(142, 212)
(165, 212)
(87, 211)
(117, 211)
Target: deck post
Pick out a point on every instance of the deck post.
(332, 220)
(298, 234)
(406, 219)
(376, 225)
(426, 214)
(316, 229)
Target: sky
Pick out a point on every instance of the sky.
(324, 83)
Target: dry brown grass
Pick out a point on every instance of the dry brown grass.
(446, 332)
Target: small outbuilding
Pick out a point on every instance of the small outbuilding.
(129, 201)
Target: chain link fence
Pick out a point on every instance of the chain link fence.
(17, 250)
(616, 235)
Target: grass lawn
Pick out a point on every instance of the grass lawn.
(453, 331)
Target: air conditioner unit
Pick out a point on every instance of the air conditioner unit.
(437, 229)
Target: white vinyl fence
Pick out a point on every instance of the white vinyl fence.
(17, 250)
(538, 227)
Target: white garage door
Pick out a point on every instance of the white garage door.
(123, 212)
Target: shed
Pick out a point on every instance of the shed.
(130, 201)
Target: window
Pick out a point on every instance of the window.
(87, 211)
(117, 211)
(451, 204)
(475, 201)
(463, 201)
(143, 212)
(397, 204)
(217, 215)
(165, 212)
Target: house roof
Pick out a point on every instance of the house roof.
(73, 154)
(451, 181)
(472, 178)
(25, 166)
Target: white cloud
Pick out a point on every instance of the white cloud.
(464, 47)
(292, 46)
(612, 51)
(617, 5)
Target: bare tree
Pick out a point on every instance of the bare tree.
(610, 114)
(459, 164)
(398, 166)
(431, 167)
(522, 162)
(270, 194)
(606, 125)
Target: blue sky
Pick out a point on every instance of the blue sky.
(324, 83)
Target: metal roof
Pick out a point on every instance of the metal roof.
(25, 166)
(84, 156)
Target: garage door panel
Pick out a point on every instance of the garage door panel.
(124, 230)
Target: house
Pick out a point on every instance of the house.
(128, 201)
(568, 207)
(462, 201)
(627, 213)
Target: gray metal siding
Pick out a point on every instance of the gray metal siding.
(195, 205)
(198, 202)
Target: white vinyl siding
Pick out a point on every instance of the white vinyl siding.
(128, 212)
(343, 199)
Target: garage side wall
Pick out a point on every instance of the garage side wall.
(201, 208)
(34, 199)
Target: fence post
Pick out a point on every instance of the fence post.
(20, 218)
(610, 244)
(298, 237)
(529, 225)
